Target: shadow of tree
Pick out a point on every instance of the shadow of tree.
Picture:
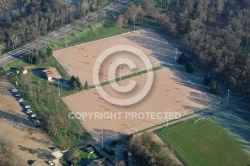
(40, 153)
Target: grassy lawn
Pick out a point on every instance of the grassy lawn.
(84, 154)
(205, 143)
(126, 77)
(103, 29)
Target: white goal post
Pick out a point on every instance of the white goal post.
(188, 111)
(197, 120)
(67, 68)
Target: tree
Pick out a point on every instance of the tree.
(132, 13)
(207, 80)
(86, 86)
(190, 67)
(33, 59)
(49, 51)
(85, 6)
(75, 83)
(14, 40)
(101, 14)
(148, 152)
(213, 87)
(120, 21)
(184, 59)
(1, 48)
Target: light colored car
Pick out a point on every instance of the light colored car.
(27, 106)
(33, 115)
(14, 90)
(21, 99)
(29, 111)
(37, 122)
(50, 162)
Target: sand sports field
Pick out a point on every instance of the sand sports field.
(168, 98)
(79, 60)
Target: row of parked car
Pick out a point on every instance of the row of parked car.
(27, 109)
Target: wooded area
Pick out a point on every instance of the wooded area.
(148, 152)
(24, 20)
(215, 33)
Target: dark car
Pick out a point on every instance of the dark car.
(31, 162)
(23, 104)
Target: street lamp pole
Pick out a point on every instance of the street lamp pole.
(59, 89)
(120, 71)
(228, 91)
(102, 139)
(134, 21)
(176, 52)
(168, 117)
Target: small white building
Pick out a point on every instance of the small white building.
(22, 70)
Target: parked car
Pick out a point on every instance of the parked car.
(17, 95)
(55, 149)
(26, 106)
(20, 99)
(23, 104)
(29, 111)
(50, 162)
(33, 115)
(32, 162)
(14, 90)
(37, 122)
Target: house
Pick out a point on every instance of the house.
(50, 73)
(23, 70)
(90, 150)
(96, 163)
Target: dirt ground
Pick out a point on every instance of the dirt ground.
(79, 60)
(172, 91)
(166, 95)
(28, 143)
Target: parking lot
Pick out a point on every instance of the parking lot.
(29, 142)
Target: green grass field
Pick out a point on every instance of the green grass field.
(103, 29)
(204, 144)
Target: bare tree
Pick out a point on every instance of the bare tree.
(1, 48)
(85, 6)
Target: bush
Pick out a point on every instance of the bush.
(75, 83)
(113, 143)
(213, 87)
(184, 59)
(74, 157)
(190, 67)
(125, 154)
(207, 80)
(109, 151)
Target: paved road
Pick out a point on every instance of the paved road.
(60, 33)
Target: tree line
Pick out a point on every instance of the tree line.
(214, 33)
(32, 19)
(147, 152)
